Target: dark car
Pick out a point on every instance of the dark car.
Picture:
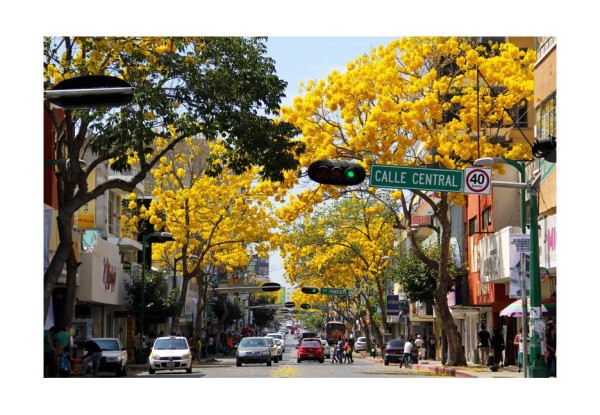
(310, 349)
(394, 351)
(253, 350)
(306, 335)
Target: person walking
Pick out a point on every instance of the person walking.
(407, 352)
(350, 348)
(93, 355)
(497, 346)
(484, 345)
(334, 356)
(340, 350)
(518, 341)
(49, 353)
(419, 345)
(551, 351)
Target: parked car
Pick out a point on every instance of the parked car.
(310, 349)
(326, 349)
(280, 337)
(114, 356)
(360, 345)
(273, 349)
(170, 353)
(253, 350)
(394, 351)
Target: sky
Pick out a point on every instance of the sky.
(301, 58)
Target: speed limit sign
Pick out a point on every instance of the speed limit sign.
(478, 180)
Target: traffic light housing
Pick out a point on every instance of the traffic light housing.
(337, 172)
(545, 148)
(310, 290)
(305, 306)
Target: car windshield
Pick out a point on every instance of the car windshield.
(169, 344)
(361, 340)
(396, 343)
(253, 342)
(270, 341)
(277, 335)
(108, 344)
(311, 344)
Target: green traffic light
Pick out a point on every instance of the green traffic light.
(350, 174)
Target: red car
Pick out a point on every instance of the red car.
(310, 349)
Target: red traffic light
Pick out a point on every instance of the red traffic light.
(337, 172)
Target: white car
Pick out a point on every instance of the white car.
(170, 353)
(279, 345)
(280, 337)
(273, 348)
(361, 345)
(326, 349)
(114, 356)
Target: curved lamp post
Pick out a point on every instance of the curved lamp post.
(153, 237)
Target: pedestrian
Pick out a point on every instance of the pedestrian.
(551, 350)
(419, 345)
(93, 355)
(64, 363)
(346, 351)
(483, 338)
(408, 345)
(49, 353)
(334, 358)
(497, 346)
(60, 340)
(211, 345)
(350, 348)
(520, 347)
(340, 350)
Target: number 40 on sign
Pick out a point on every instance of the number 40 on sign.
(478, 180)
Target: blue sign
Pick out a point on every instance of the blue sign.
(393, 304)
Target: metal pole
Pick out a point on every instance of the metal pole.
(537, 368)
(144, 239)
(522, 272)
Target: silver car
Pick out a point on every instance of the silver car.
(253, 350)
(326, 349)
(274, 349)
(360, 345)
(114, 356)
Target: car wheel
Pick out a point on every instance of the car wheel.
(152, 371)
(238, 362)
(321, 361)
(276, 360)
(188, 370)
(299, 360)
(269, 363)
(385, 362)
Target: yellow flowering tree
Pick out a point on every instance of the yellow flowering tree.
(210, 87)
(217, 222)
(419, 101)
(343, 244)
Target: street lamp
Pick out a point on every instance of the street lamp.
(536, 367)
(156, 237)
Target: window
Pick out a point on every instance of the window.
(545, 118)
(114, 214)
(543, 45)
(487, 217)
(472, 226)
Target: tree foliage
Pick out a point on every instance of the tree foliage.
(159, 301)
(206, 87)
(419, 101)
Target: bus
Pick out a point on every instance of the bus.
(333, 330)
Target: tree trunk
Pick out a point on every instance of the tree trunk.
(71, 288)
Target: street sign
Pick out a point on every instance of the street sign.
(400, 177)
(478, 180)
(320, 307)
(335, 291)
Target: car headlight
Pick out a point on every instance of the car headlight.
(186, 356)
(241, 353)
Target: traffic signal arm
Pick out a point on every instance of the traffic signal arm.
(337, 172)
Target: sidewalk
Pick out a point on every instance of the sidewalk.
(469, 371)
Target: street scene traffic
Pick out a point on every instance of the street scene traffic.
(392, 219)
